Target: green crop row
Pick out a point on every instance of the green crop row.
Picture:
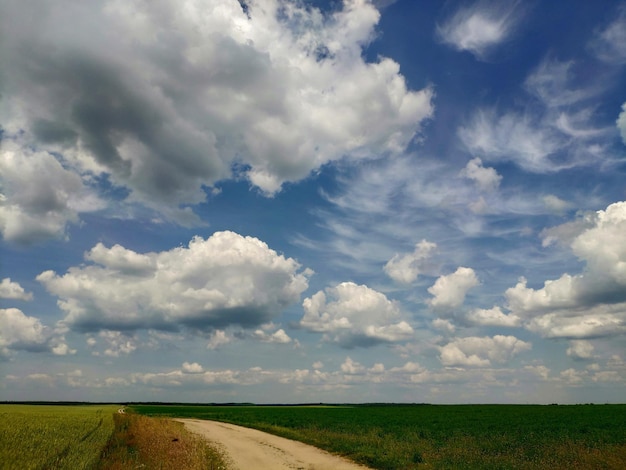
(53, 437)
(447, 437)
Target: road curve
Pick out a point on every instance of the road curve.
(247, 448)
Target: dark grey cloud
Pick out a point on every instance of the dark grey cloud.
(166, 98)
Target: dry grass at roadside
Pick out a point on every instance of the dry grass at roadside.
(157, 443)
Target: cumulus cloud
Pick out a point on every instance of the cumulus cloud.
(581, 322)
(38, 196)
(493, 317)
(405, 268)
(351, 367)
(480, 27)
(218, 339)
(168, 99)
(22, 332)
(580, 350)
(593, 302)
(224, 280)
(443, 325)
(481, 351)
(117, 343)
(192, 368)
(487, 179)
(449, 291)
(354, 315)
(13, 290)
(277, 337)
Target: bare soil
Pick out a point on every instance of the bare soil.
(247, 448)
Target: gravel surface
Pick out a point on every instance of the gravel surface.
(247, 449)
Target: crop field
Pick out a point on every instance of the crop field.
(53, 436)
(80, 437)
(446, 437)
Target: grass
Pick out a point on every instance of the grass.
(53, 437)
(157, 443)
(442, 437)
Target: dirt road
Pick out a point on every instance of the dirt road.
(248, 449)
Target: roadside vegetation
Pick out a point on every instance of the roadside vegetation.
(53, 436)
(441, 437)
(157, 443)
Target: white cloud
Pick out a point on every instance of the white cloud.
(573, 376)
(19, 331)
(581, 322)
(621, 123)
(22, 332)
(444, 325)
(13, 290)
(480, 27)
(117, 343)
(120, 259)
(559, 293)
(354, 315)
(39, 196)
(580, 349)
(481, 352)
(493, 317)
(192, 368)
(551, 83)
(218, 338)
(224, 280)
(609, 44)
(449, 290)
(278, 337)
(487, 179)
(405, 268)
(512, 137)
(380, 4)
(352, 367)
(556, 135)
(167, 99)
(555, 204)
(591, 303)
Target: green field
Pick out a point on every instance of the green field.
(446, 437)
(53, 436)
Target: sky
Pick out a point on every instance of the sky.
(285, 201)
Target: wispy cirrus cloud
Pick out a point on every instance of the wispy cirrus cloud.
(559, 134)
(609, 42)
(480, 27)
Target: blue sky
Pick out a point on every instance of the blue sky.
(305, 201)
